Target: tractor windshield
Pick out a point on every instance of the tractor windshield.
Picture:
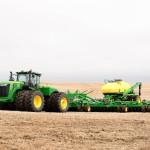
(23, 77)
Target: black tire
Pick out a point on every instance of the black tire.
(48, 102)
(119, 109)
(124, 108)
(87, 108)
(20, 100)
(57, 102)
(148, 108)
(34, 101)
(137, 99)
(80, 108)
(143, 109)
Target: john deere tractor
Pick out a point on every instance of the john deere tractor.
(26, 94)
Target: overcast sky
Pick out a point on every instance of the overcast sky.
(76, 40)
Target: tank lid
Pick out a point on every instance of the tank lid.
(111, 81)
(116, 80)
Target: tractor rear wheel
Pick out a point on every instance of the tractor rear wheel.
(124, 108)
(34, 101)
(48, 103)
(20, 100)
(87, 108)
(60, 102)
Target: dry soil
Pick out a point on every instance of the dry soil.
(75, 130)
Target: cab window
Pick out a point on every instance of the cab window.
(22, 78)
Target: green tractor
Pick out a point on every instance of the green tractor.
(26, 94)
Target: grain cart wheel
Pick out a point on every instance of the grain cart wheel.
(143, 109)
(87, 108)
(60, 102)
(20, 100)
(34, 101)
(124, 108)
(148, 108)
(80, 108)
(137, 99)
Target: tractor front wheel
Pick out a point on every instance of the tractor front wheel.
(20, 100)
(34, 101)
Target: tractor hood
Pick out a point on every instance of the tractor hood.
(11, 82)
(7, 89)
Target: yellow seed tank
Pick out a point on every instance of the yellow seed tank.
(115, 87)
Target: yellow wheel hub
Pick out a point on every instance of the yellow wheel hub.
(89, 109)
(37, 101)
(138, 100)
(64, 103)
(126, 109)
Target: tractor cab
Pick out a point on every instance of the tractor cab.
(30, 79)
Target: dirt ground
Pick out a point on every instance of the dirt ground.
(75, 130)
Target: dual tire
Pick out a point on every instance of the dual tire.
(29, 101)
(57, 102)
(34, 101)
